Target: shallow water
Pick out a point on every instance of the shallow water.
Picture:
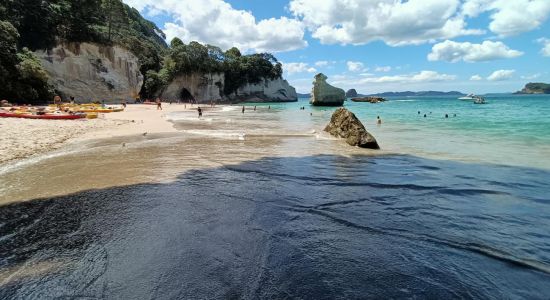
(264, 205)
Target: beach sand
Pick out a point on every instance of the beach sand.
(22, 138)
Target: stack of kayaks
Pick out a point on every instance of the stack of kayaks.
(44, 116)
(59, 111)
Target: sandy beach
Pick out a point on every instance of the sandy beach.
(22, 138)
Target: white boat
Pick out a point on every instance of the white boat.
(470, 97)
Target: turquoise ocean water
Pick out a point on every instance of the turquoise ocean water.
(508, 130)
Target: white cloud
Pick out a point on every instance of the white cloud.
(423, 76)
(545, 51)
(488, 50)
(476, 78)
(510, 17)
(355, 66)
(383, 69)
(531, 77)
(216, 22)
(396, 22)
(501, 75)
(322, 63)
(293, 68)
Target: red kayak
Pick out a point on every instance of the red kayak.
(44, 117)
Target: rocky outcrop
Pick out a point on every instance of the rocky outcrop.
(204, 88)
(369, 99)
(195, 87)
(324, 94)
(277, 90)
(344, 124)
(351, 93)
(92, 72)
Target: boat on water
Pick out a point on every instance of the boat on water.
(470, 97)
(479, 100)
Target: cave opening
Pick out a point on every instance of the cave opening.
(186, 96)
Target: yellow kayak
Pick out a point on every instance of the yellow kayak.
(91, 116)
(95, 110)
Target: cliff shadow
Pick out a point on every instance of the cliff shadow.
(293, 227)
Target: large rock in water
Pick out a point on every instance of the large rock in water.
(92, 72)
(324, 94)
(344, 124)
(351, 93)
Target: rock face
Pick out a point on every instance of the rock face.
(351, 93)
(203, 88)
(91, 72)
(277, 90)
(344, 124)
(196, 87)
(324, 94)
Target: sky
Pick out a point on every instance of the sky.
(473, 46)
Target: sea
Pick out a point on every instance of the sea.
(265, 205)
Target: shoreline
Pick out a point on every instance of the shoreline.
(24, 139)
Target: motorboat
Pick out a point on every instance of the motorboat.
(470, 97)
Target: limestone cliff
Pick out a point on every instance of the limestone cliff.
(204, 88)
(324, 94)
(92, 72)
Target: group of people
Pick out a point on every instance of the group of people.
(446, 115)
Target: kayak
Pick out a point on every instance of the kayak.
(91, 116)
(95, 110)
(43, 117)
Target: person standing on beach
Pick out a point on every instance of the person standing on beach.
(159, 104)
(243, 109)
(200, 112)
(379, 121)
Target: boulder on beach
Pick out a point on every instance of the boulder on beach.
(324, 94)
(344, 124)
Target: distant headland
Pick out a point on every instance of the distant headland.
(535, 88)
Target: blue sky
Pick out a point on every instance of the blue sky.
(476, 46)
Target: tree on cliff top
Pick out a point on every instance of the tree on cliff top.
(238, 69)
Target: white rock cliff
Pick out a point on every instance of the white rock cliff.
(204, 88)
(91, 72)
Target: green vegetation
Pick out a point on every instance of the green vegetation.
(41, 24)
(197, 58)
(536, 88)
(21, 74)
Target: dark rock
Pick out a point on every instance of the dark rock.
(344, 124)
(369, 99)
(351, 93)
